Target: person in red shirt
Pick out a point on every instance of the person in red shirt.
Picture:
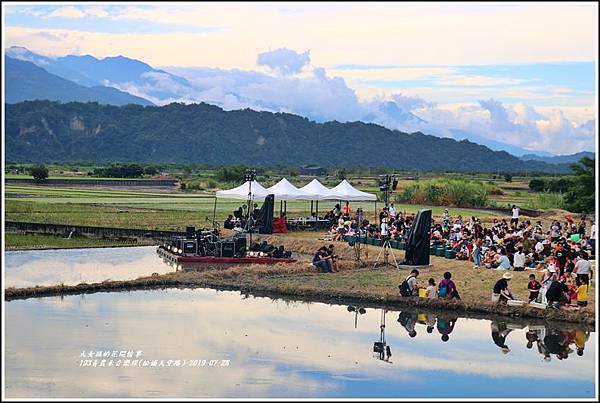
(534, 288)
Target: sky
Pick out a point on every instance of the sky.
(523, 74)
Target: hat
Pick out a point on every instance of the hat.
(507, 276)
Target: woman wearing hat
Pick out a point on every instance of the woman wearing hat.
(501, 291)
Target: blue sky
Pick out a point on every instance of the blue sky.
(537, 60)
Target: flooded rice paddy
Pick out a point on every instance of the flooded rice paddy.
(204, 343)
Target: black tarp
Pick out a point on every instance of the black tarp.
(264, 221)
(417, 248)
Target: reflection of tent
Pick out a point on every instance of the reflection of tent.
(318, 191)
(241, 192)
(345, 191)
(284, 190)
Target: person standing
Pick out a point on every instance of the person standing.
(392, 211)
(384, 229)
(514, 221)
(583, 268)
(534, 288)
(592, 240)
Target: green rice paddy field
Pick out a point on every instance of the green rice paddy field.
(149, 210)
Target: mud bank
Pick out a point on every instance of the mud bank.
(282, 289)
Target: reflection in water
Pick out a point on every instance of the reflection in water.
(74, 266)
(276, 349)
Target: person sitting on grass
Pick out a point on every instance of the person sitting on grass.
(503, 261)
(431, 291)
(321, 261)
(333, 258)
(519, 259)
(447, 288)
(501, 291)
(409, 286)
(534, 288)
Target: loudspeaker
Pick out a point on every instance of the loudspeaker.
(417, 248)
(190, 232)
(190, 246)
(240, 245)
(394, 184)
(227, 248)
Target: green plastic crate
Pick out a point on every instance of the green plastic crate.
(432, 250)
(450, 254)
(440, 251)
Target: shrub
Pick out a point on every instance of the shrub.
(39, 172)
(447, 192)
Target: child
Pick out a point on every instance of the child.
(431, 289)
(582, 292)
(447, 288)
(534, 288)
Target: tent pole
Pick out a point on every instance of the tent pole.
(285, 207)
(317, 210)
(376, 216)
(214, 213)
(312, 203)
(280, 207)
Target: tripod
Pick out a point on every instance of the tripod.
(357, 252)
(386, 251)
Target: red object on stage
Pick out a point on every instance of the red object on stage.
(280, 225)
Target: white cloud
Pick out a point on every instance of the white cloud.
(66, 12)
(283, 60)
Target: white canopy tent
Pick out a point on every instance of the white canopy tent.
(345, 191)
(241, 192)
(318, 191)
(284, 190)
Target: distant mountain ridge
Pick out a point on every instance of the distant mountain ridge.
(119, 72)
(26, 81)
(43, 131)
(559, 159)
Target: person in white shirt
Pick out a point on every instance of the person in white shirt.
(592, 240)
(392, 211)
(583, 268)
(384, 228)
(519, 259)
(515, 215)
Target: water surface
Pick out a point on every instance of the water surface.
(74, 266)
(281, 349)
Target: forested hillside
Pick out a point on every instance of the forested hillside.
(43, 131)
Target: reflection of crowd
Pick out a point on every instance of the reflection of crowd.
(556, 341)
(444, 324)
(549, 341)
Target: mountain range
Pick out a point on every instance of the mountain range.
(44, 131)
(119, 80)
(26, 81)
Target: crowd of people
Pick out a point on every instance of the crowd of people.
(561, 252)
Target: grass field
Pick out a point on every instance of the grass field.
(39, 241)
(151, 210)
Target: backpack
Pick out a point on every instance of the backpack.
(443, 292)
(405, 289)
